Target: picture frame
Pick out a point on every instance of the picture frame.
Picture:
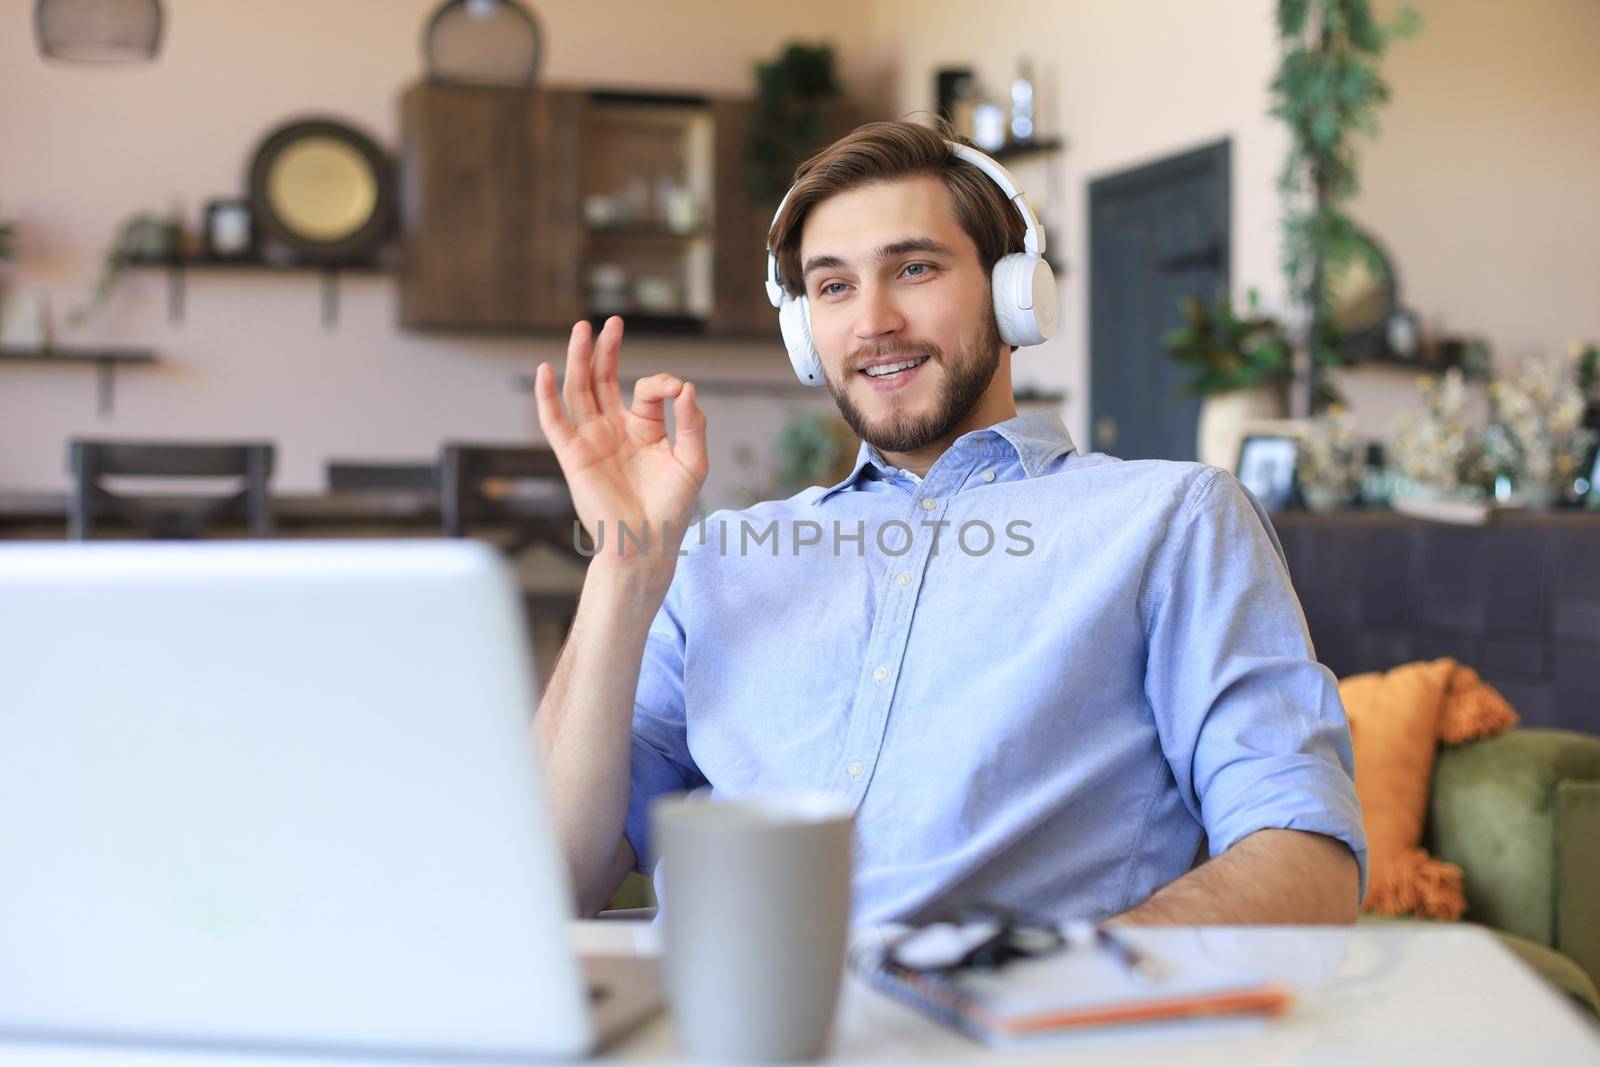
(1267, 467)
(229, 231)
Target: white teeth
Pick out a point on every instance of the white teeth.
(893, 368)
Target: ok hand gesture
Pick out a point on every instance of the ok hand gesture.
(619, 465)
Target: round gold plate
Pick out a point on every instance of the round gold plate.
(322, 188)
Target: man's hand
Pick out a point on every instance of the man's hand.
(619, 465)
(1272, 876)
(620, 468)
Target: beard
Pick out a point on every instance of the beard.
(966, 378)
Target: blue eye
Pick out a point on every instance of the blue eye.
(921, 269)
(831, 288)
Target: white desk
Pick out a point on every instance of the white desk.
(1367, 997)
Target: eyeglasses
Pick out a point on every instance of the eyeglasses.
(976, 937)
(987, 937)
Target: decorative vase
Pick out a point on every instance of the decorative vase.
(1223, 417)
(1323, 497)
(1540, 497)
(25, 321)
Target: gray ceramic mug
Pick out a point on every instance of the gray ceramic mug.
(755, 901)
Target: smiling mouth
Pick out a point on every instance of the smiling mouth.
(890, 372)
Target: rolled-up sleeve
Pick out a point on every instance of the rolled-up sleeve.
(1250, 722)
(660, 761)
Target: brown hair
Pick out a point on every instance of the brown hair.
(889, 151)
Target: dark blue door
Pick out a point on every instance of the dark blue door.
(1157, 234)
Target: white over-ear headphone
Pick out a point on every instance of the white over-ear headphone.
(1023, 284)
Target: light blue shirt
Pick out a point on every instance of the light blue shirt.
(1055, 724)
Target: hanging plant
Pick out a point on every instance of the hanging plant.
(789, 122)
(143, 236)
(1328, 89)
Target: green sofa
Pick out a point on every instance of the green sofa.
(1520, 815)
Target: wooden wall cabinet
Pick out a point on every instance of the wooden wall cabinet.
(651, 209)
(740, 305)
(526, 210)
(489, 208)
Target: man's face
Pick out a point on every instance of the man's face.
(892, 278)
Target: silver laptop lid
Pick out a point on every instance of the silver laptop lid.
(279, 795)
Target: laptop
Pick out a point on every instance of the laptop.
(282, 796)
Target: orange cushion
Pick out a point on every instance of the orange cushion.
(1397, 720)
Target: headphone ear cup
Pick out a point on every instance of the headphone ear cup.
(1024, 299)
(794, 321)
(1006, 311)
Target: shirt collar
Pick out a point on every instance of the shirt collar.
(1038, 437)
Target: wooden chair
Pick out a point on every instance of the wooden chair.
(380, 477)
(92, 461)
(478, 486)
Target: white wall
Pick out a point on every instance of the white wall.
(1125, 83)
(82, 148)
(1485, 182)
(1482, 184)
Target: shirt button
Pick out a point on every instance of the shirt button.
(855, 770)
(903, 578)
(988, 476)
(880, 674)
(928, 503)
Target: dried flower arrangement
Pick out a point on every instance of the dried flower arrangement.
(1536, 435)
(1437, 451)
(1330, 459)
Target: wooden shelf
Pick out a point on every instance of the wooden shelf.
(253, 263)
(790, 389)
(81, 355)
(1013, 152)
(1416, 366)
(646, 231)
(650, 323)
(177, 266)
(104, 360)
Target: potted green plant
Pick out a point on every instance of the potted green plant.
(1241, 364)
(811, 449)
(1586, 357)
(790, 117)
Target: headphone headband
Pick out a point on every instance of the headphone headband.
(1033, 236)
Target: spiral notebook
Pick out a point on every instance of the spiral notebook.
(1075, 989)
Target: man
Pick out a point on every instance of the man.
(1054, 721)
